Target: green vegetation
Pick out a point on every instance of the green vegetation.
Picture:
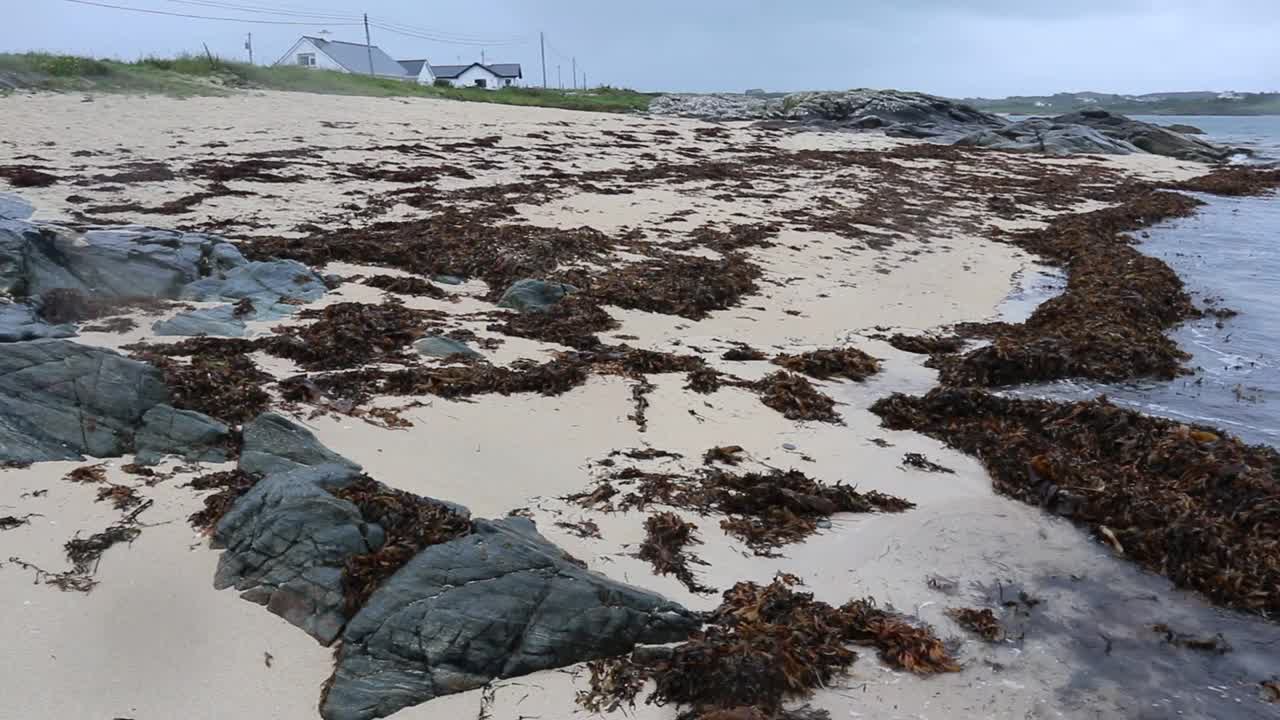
(192, 75)
(1176, 103)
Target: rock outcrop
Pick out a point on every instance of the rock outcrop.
(498, 603)
(905, 114)
(531, 295)
(1047, 136)
(192, 436)
(1148, 137)
(127, 263)
(60, 400)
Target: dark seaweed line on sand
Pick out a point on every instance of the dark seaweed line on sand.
(1188, 502)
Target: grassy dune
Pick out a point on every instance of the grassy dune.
(193, 75)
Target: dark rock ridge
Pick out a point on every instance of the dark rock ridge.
(125, 263)
(1048, 136)
(916, 115)
(498, 602)
(60, 400)
(907, 114)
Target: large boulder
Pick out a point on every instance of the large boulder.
(498, 603)
(1048, 136)
(19, 322)
(60, 400)
(274, 444)
(13, 207)
(531, 295)
(1148, 137)
(187, 434)
(287, 541)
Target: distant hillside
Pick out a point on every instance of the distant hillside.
(1171, 103)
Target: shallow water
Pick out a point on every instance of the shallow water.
(1229, 256)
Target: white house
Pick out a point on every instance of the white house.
(491, 76)
(345, 57)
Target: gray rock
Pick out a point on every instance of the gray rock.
(59, 400)
(218, 321)
(530, 295)
(442, 347)
(1148, 137)
(128, 261)
(498, 603)
(267, 284)
(19, 322)
(286, 543)
(275, 444)
(13, 207)
(190, 435)
(448, 279)
(1048, 136)
(1184, 129)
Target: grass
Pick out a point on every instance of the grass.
(194, 75)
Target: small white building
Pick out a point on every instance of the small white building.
(345, 57)
(492, 76)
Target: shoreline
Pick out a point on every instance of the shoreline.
(562, 434)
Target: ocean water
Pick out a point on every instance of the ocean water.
(1228, 255)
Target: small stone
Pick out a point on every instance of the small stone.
(443, 347)
(788, 446)
(534, 295)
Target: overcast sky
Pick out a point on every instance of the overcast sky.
(959, 48)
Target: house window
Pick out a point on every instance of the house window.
(481, 82)
(506, 83)
(307, 59)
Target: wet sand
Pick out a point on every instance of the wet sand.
(154, 640)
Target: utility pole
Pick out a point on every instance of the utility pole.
(575, 73)
(542, 42)
(248, 45)
(481, 56)
(368, 44)
(584, 79)
(559, 80)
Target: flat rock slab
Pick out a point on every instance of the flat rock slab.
(1050, 137)
(190, 435)
(275, 444)
(60, 400)
(498, 603)
(19, 322)
(265, 283)
(442, 347)
(13, 207)
(220, 321)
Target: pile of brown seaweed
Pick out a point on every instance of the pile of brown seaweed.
(574, 321)
(220, 379)
(666, 537)
(824, 364)
(26, 176)
(1237, 181)
(926, 344)
(229, 485)
(350, 335)
(764, 510)
(406, 285)
(1185, 501)
(1110, 322)
(764, 645)
(796, 398)
(411, 523)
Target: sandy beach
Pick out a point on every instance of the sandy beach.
(898, 238)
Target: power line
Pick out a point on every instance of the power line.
(446, 40)
(466, 37)
(206, 17)
(262, 10)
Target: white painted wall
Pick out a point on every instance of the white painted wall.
(425, 76)
(324, 62)
(470, 75)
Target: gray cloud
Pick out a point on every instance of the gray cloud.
(952, 47)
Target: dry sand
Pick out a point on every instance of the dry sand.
(154, 641)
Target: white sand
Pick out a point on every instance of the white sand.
(154, 641)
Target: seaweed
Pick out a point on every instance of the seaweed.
(407, 285)
(920, 462)
(796, 398)
(666, 538)
(411, 523)
(849, 363)
(1187, 501)
(349, 335)
(220, 379)
(229, 486)
(982, 623)
(926, 344)
(27, 176)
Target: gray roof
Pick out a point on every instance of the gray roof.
(412, 67)
(505, 70)
(355, 57)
